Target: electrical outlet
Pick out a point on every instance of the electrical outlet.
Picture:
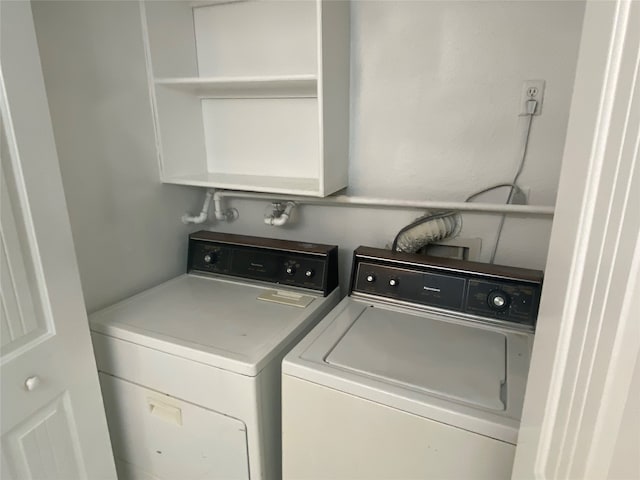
(532, 90)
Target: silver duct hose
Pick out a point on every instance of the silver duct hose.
(427, 229)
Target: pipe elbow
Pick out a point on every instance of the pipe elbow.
(204, 214)
(277, 221)
(278, 217)
(218, 211)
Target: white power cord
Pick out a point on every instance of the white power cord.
(515, 192)
(518, 198)
(531, 110)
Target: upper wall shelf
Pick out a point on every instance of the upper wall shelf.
(286, 86)
(250, 95)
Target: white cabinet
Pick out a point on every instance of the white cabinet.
(251, 95)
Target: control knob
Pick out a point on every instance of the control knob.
(370, 278)
(210, 258)
(309, 273)
(291, 270)
(394, 282)
(498, 300)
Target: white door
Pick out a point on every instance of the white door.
(52, 419)
(581, 417)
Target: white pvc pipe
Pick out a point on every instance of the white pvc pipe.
(204, 214)
(389, 203)
(218, 212)
(281, 219)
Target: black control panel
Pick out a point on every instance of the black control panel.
(491, 291)
(306, 265)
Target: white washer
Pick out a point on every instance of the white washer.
(419, 373)
(190, 369)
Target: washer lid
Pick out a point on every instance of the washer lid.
(219, 322)
(449, 360)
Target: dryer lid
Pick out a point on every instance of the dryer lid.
(219, 322)
(458, 362)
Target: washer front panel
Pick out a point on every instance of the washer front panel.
(320, 359)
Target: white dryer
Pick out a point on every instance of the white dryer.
(419, 373)
(190, 369)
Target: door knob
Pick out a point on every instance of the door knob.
(32, 383)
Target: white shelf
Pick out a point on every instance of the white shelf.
(250, 95)
(258, 183)
(294, 86)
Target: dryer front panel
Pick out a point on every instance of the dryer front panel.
(154, 435)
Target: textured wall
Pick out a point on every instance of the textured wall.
(434, 115)
(435, 91)
(125, 223)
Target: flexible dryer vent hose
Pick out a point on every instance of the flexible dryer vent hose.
(427, 229)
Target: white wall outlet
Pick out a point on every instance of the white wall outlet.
(532, 90)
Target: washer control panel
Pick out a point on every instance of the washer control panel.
(297, 264)
(495, 292)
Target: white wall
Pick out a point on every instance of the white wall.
(126, 225)
(434, 115)
(435, 90)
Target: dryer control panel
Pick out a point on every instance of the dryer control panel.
(306, 265)
(490, 291)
